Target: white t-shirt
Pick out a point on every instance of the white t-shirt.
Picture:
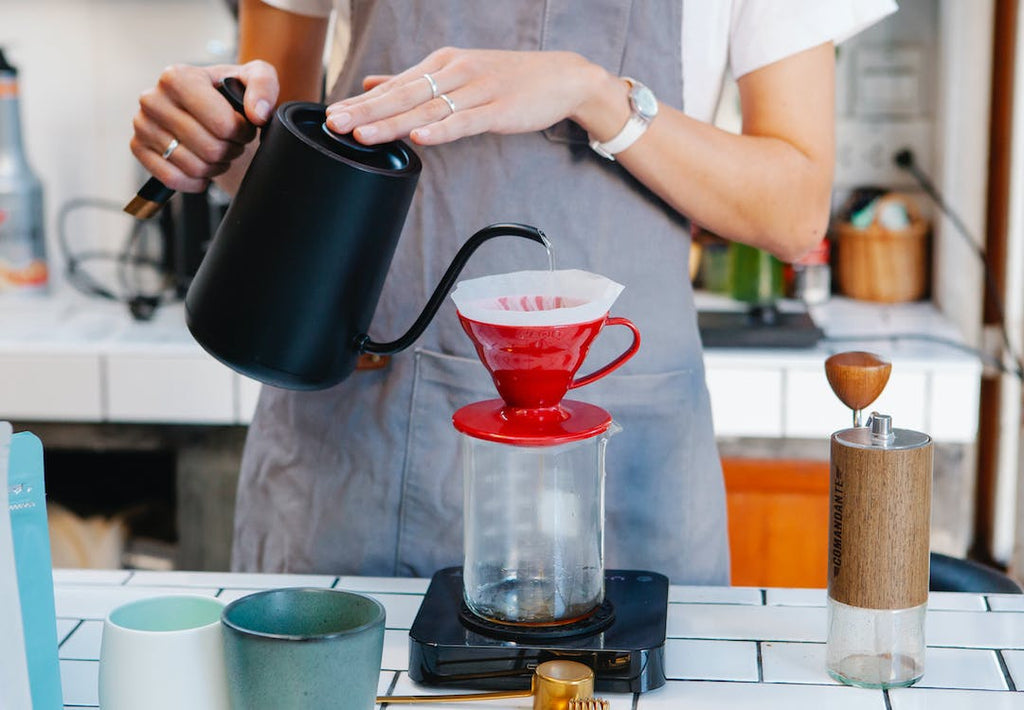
(737, 36)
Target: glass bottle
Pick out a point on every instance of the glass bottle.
(23, 267)
(755, 276)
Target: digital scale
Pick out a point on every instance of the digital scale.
(623, 641)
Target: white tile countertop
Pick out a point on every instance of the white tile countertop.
(727, 647)
(69, 358)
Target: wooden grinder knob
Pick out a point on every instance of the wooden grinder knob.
(857, 378)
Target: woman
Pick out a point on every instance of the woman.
(540, 125)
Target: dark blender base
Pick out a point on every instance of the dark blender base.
(624, 643)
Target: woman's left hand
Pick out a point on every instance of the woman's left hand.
(472, 91)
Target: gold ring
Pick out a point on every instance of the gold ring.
(170, 148)
(433, 86)
(451, 104)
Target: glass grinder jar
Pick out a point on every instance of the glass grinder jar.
(534, 520)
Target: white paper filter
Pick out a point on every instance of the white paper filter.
(536, 297)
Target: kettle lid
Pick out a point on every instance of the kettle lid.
(307, 121)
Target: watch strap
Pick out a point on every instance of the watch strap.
(634, 128)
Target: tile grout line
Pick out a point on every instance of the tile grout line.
(391, 688)
(760, 664)
(70, 633)
(1011, 686)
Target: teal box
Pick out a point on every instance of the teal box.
(27, 502)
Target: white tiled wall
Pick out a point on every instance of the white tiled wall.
(82, 65)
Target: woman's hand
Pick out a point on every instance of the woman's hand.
(478, 91)
(185, 107)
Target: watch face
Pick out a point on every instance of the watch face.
(643, 101)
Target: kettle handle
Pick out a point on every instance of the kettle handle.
(363, 342)
(154, 194)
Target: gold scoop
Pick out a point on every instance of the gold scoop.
(556, 685)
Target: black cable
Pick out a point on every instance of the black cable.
(140, 303)
(904, 159)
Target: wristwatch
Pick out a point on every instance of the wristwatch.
(644, 107)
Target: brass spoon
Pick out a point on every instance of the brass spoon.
(557, 685)
(857, 378)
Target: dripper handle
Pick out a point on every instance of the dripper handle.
(617, 362)
(363, 342)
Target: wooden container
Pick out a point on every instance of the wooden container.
(884, 265)
(879, 505)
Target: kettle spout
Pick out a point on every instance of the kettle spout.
(363, 343)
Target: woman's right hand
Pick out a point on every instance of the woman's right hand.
(185, 106)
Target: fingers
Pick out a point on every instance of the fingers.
(396, 105)
(374, 80)
(391, 95)
(150, 145)
(261, 90)
(458, 125)
(402, 107)
(454, 93)
(185, 106)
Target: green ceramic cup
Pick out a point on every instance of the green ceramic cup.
(298, 648)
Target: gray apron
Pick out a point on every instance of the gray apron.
(364, 478)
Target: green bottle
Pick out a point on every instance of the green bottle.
(755, 276)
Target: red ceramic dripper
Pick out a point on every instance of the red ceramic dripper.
(534, 366)
(532, 330)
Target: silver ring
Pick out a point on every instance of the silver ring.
(434, 92)
(451, 104)
(170, 148)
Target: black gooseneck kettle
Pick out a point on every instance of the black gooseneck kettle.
(286, 292)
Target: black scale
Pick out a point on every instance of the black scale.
(623, 641)
(758, 327)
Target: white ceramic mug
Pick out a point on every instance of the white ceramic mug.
(164, 652)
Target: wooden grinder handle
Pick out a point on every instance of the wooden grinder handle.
(857, 377)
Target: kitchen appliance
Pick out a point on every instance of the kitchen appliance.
(533, 586)
(289, 284)
(756, 285)
(187, 224)
(878, 562)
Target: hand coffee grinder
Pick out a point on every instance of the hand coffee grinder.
(879, 509)
(533, 586)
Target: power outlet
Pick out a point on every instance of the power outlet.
(865, 150)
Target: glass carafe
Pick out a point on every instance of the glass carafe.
(534, 529)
